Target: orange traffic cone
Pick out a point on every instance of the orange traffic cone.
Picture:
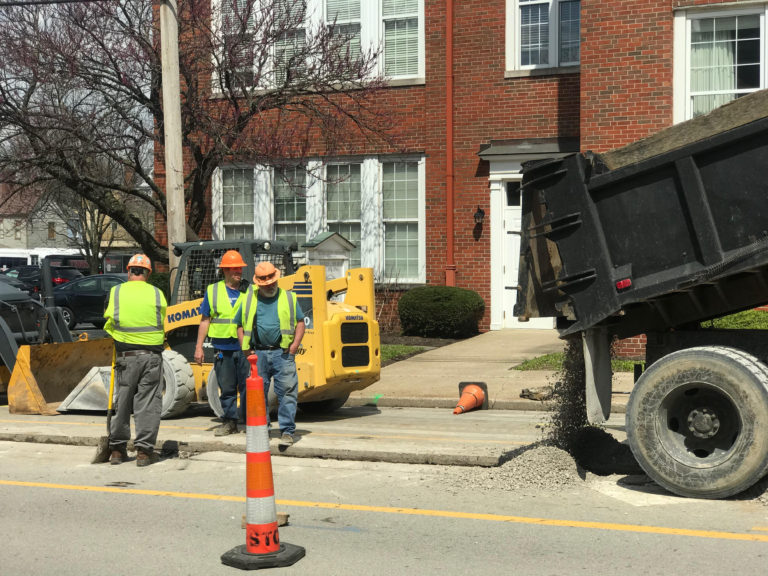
(263, 547)
(472, 396)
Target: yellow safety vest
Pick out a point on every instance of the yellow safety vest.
(223, 321)
(135, 313)
(286, 312)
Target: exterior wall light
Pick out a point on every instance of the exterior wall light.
(479, 216)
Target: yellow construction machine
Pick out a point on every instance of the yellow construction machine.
(340, 351)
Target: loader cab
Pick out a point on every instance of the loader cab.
(199, 264)
(199, 268)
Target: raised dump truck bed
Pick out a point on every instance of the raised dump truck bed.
(653, 239)
(674, 239)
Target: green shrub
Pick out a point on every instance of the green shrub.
(746, 320)
(440, 312)
(163, 281)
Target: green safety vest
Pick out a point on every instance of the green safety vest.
(286, 312)
(223, 320)
(135, 314)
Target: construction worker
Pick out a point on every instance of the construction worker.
(272, 325)
(219, 308)
(134, 315)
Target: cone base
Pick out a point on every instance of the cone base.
(239, 557)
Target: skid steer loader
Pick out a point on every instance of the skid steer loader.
(340, 351)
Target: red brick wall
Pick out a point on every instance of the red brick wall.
(386, 308)
(626, 71)
(630, 348)
(487, 106)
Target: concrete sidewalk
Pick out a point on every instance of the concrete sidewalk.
(431, 379)
(371, 427)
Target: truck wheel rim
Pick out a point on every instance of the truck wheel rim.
(699, 425)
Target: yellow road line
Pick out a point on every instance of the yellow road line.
(660, 530)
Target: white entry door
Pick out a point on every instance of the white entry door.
(512, 215)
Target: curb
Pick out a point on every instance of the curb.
(183, 448)
(446, 403)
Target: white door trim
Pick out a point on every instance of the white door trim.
(501, 172)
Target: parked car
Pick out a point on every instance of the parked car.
(31, 276)
(84, 299)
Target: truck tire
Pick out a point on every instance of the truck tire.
(697, 421)
(323, 406)
(178, 384)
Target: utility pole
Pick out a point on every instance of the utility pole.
(174, 162)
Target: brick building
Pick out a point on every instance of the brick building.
(530, 79)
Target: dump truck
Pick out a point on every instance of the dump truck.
(658, 238)
(340, 351)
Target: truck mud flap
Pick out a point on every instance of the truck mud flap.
(45, 374)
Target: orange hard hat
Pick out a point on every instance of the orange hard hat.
(265, 274)
(232, 259)
(139, 261)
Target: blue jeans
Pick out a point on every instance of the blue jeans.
(232, 368)
(280, 365)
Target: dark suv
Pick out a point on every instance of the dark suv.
(31, 275)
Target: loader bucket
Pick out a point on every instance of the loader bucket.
(45, 374)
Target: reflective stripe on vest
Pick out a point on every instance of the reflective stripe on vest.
(158, 326)
(285, 298)
(132, 315)
(223, 321)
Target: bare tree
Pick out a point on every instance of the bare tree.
(82, 81)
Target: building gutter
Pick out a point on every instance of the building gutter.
(450, 265)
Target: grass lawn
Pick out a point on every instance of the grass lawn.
(555, 362)
(391, 352)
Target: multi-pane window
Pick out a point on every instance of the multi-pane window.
(344, 204)
(396, 27)
(237, 203)
(568, 33)
(290, 47)
(401, 37)
(344, 15)
(545, 33)
(725, 60)
(400, 204)
(290, 200)
(375, 203)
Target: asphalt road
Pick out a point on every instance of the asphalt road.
(63, 516)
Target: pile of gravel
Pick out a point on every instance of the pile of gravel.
(542, 467)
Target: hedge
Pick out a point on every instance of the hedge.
(440, 312)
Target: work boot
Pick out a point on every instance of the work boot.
(118, 457)
(146, 458)
(286, 439)
(228, 427)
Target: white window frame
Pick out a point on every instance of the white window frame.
(371, 36)
(513, 49)
(682, 56)
(277, 222)
(417, 219)
(371, 218)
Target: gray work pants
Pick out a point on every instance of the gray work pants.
(139, 381)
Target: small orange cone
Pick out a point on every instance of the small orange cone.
(472, 397)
